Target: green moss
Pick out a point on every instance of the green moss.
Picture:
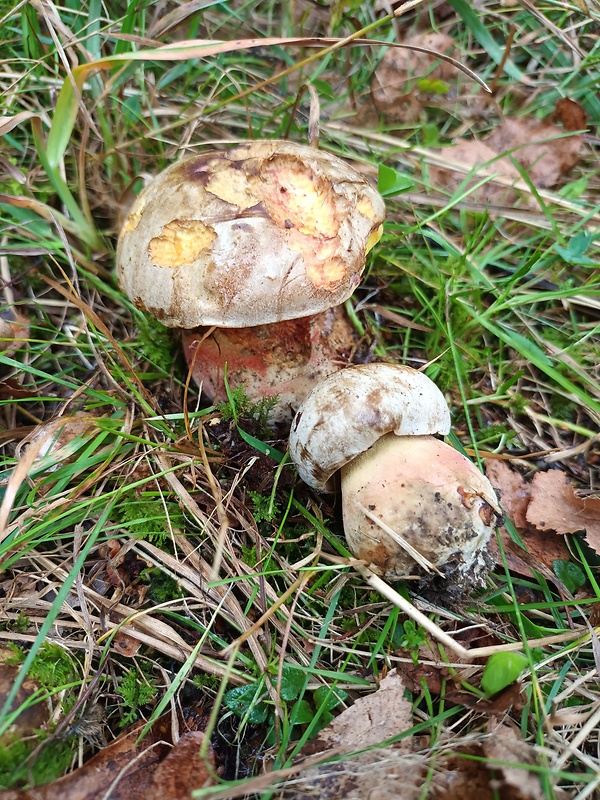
(146, 517)
(137, 689)
(265, 510)
(49, 764)
(157, 343)
(241, 406)
(17, 625)
(162, 586)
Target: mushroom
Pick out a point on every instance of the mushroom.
(262, 242)
(411, 504)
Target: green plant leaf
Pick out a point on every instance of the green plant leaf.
(292, 682)
(501, 670)
(390, 181)
(301, 713)
(242, 701)
(569, 573)
(326, 699)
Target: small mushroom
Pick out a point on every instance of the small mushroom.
(411, 504)
(261, 241)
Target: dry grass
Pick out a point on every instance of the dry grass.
(164, 545)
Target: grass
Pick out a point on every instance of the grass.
(501, 307)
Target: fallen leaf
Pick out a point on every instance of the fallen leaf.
(506, 745)
(540, 147)
(387, 773)
(183, 770)
(472, 156)
(13, 330)
(371, 720)
(570, 114)
(554, 506)
(542, 547)
(512, 489)
(13, 389)
(132, 770)
(464, 773)
(402, 73)
(124, 765)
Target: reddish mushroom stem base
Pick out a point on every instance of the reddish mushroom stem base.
(285, 359)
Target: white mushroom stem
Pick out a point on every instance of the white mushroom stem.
(413, 504)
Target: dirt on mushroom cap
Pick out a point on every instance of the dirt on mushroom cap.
(262, 233)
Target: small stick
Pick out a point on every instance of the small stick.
(412, 552)
(413, 612)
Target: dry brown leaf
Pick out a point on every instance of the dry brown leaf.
(542, 547)
(371, 720)
(148, 770)
(514, 492)
(505, 744)
(476, 157)
(124, 766)
(540, 147)
(395, 81)
(459, 776)
(183, 770)
(389, 773)
(13, 330)
(554, 506)
(570, 114)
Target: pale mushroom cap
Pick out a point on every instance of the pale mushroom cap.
(349, 411)
(435, 502)
(265, 232)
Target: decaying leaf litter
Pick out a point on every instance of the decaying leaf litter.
(485, 277)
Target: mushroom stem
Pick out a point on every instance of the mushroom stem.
(421, 494)
(284, 359)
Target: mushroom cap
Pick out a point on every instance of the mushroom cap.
(265, 232)
(349, 411)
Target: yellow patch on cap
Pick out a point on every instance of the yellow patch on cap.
(327, 274)
(374, 237)
(133, 218)
(365, 207)
(234, 186)
(180, 242)
(298, 198)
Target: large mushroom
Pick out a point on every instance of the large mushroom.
(411, 504)
(263, 242)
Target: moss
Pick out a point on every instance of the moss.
(49, 764)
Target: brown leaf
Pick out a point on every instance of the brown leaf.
(506, 745)
(129, 764)
(554, 506)
(479, 159)
(540, 147)
(13, 330)
(183, 770)
(396, 79)
(12, 389)
(458, 776)
(514, 492)
(146, 770)
(388, 773)
(372, 719)
(542, 547)
(570, 114)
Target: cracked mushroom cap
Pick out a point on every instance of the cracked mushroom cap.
(265, 232)
(344, 415)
